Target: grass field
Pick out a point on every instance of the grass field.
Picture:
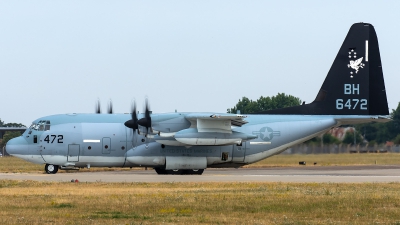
(331, 159)
(29, 202)
(16, 165)
(32, 202)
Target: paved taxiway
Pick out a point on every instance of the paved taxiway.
(336, 174)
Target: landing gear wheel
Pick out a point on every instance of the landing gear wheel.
(51, 169)
(175, 172)
(196, 172)
(193, 172)
(160, 171)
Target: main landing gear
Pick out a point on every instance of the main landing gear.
(161, 171)
(51, 169)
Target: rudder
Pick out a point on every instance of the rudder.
(354, 84)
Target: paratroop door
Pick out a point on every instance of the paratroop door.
(239, 152)
(73, 153)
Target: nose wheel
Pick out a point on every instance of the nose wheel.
(51, 169)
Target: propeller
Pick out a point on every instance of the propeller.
(97, 107)
(109, 108)
(146, 120)
(133, 123)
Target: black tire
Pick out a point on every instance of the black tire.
(197, 172)
(175, 172)
(160, 171)
(51, 169)
(193, 172)
(178, 172)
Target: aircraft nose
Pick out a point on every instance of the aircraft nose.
(17, 146)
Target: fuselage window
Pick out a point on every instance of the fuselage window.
(34, 138)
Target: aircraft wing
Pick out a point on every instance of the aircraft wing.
(205, 121)
(208, 129)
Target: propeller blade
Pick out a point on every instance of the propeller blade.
(97, 107)
(110, 108)
(134, 113)
(133, 123)
(146, 120)
(134, 117)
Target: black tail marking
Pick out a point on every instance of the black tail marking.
(354, 84)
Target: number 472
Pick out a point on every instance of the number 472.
(351, 104)
(53, 138)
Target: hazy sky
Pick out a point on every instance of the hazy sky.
(61, 56)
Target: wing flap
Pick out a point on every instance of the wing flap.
(223, 122)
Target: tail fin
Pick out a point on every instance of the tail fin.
(354, 84)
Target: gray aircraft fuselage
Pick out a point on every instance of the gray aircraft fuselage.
(102, 140)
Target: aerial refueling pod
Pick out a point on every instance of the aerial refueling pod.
(192, 136)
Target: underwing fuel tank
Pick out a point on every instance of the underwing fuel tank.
(192, 136)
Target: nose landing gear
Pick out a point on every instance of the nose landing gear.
(51, 169)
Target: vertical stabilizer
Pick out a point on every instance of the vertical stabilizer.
(354, 84)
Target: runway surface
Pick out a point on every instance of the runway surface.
(335, 174)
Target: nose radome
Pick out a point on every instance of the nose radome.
(17, 146)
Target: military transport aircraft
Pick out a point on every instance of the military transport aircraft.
(187, 143)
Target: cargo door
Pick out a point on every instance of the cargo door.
(73, 153)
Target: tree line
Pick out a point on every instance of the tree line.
(281, 100)
(373, 133)
(8, 135)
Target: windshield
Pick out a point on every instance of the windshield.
(42, 125)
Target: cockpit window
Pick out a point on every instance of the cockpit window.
(42, 125)
(47, 125)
